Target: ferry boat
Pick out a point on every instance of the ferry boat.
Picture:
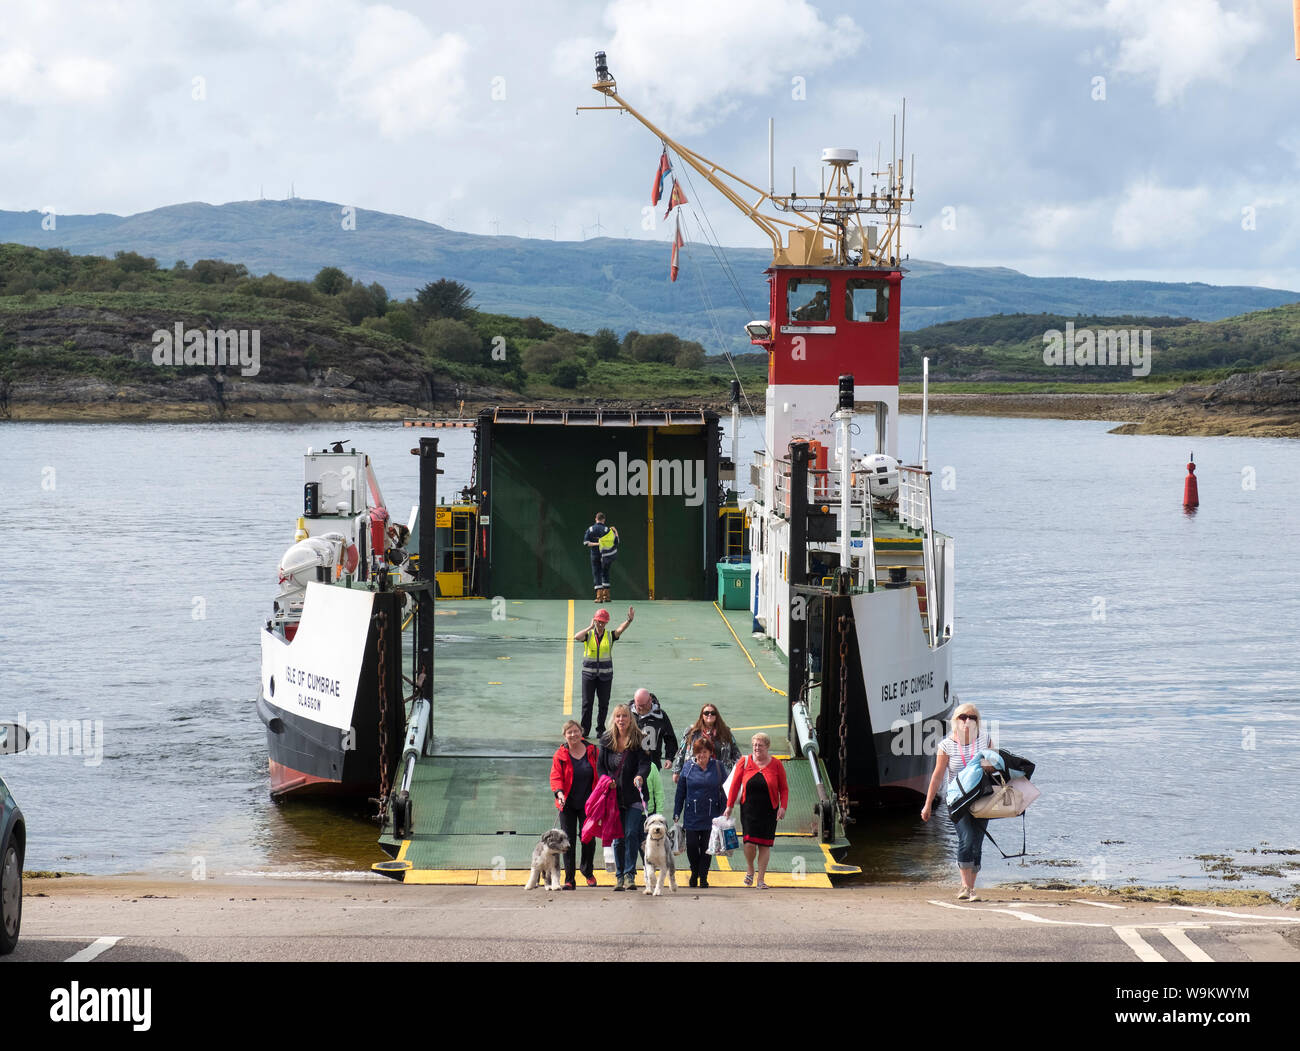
(833, 620)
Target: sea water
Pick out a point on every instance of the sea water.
(1142, 656)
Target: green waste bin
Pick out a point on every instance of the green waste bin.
(733, 585)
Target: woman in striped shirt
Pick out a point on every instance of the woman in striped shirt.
(952, 756)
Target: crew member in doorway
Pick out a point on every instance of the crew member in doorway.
(602, 539)
(598, 665)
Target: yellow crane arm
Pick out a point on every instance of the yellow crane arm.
(769, 225)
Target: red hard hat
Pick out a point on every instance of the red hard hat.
(602, 615)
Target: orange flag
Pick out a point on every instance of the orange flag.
(675, 198)
(677, 243)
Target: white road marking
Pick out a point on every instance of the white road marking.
(1237, 915)
(1099, 904)
(1029, 916)
(1130, 937)
(1178, 939)
(95, 948)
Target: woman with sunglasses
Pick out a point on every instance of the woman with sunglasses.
(954, 753)
(710, 725)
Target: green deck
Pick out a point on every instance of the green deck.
(504, 687)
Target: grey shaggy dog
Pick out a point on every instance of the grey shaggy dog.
(658, 856)
(547, 856)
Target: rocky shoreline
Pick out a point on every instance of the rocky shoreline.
(1262, 405)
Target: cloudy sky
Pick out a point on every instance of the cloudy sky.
(1097, 138)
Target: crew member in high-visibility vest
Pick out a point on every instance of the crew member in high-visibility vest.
(602, 539)
(598, 665)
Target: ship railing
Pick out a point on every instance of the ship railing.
(861, 482)
(824, 491)
(914, 511)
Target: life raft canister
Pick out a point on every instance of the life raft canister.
(378, 530)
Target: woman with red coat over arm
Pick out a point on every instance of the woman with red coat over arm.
(573, 774)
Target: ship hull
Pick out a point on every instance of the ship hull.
(897, 691)
(320, 698)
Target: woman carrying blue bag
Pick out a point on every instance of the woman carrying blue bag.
(958, 750)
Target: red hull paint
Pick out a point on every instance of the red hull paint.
(286, 781)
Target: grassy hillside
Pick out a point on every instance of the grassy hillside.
(982, 353)
(582, 285)
(65, 316)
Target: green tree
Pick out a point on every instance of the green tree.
(134, 263)
(217, 272)
(661, 346)
(690, 355)
(401, 322)
(605, 343)
(358, 303)
(540, 358)
(569, 374)
(453, 341)
(379, 294)
(443, 299)
(331, 281)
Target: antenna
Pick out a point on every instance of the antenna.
(771, 133)
(902, 145)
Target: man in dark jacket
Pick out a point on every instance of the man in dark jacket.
(657, 728)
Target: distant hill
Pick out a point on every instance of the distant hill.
(1010, 347)
(584, 285)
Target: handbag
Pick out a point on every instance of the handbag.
(677, 838)
(1009, 798)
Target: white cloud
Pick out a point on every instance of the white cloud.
(691, 63)
(74, 79)
(403, 77)
(1173, 42)
(1152, 216)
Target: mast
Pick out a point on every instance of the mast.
(839, 226)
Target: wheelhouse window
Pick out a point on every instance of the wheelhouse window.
(866, 300)
(808, 299)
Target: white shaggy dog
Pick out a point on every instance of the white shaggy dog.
(658, 856)
(547, 857)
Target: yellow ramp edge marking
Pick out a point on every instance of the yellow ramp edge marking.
(746, 652)
(568, 663)
(837, 868)
(518, 877)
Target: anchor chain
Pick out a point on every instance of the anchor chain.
(843, 792)
(382, 801)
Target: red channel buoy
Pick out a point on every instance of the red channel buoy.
(1190, 498)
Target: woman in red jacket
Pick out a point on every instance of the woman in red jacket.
(759, 780)
(573, 774)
